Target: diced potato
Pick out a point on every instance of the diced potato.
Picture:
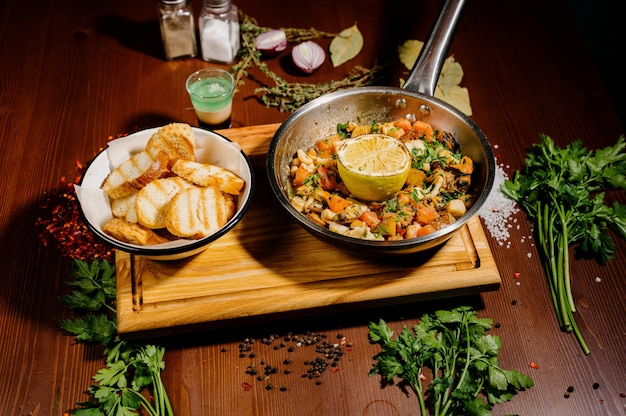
(456, 207)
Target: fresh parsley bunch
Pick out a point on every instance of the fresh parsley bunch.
(454, 346)
(562, 191)
(130, 368)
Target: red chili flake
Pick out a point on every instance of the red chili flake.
(246, 386)
(516, 275)
(601, 401)
(64, 226)
(334, 369)
(622, 395)
(533, 365)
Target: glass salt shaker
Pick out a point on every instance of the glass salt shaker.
(177, 29)
(219, 31)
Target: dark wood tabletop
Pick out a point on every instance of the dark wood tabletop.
(75, 74)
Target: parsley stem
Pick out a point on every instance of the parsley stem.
(144, 402)
(562, 190)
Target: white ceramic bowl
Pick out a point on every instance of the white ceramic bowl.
(210, 148)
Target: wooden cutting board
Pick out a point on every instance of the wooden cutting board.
(268, 266)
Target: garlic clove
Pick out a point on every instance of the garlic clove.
(308, 56)
(271, 42)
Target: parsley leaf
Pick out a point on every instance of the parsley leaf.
(454, 347)
(130, 368)
(96, 328)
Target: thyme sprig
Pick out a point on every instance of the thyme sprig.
(286, 96)
(290, 96)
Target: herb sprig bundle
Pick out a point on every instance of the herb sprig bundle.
(562, 191)
(130, 368)
(454, 346)
(286, 96)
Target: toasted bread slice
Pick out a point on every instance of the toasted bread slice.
(124, 208)
(204, 174)
(175, 139)
(199, 212)
(153, 200)
(132, 233)
(134, 173)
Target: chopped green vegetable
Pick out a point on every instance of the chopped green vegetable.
(562, 192)
(130, 368)
(454, 346)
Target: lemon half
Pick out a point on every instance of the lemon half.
(373, 166)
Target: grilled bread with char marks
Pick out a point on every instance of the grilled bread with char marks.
(132, 233)
(125, 207)
(205, 174)
(175, 139)
(134, 173)
(163, 188)
(153, 200)
(198, 212)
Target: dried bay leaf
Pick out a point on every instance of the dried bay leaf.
(409, 51)
(457, 97)
(448, 85)
(451, 75)
(346, 45)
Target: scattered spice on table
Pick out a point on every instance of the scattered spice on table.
(63, 226)
(263, 368)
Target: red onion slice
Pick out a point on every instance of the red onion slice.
(308, 56)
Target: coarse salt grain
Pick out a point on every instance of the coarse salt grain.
(497, 210)
(598, 279)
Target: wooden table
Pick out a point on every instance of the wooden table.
(76, 73)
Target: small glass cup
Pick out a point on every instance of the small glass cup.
(211, 93)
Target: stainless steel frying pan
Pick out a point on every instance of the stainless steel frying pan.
(319, 118)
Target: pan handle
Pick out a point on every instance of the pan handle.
(425, 73)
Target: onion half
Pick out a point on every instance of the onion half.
(308, 56)
(271, 42)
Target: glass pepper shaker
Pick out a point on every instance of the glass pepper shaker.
(219, 31)
(177, 29)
